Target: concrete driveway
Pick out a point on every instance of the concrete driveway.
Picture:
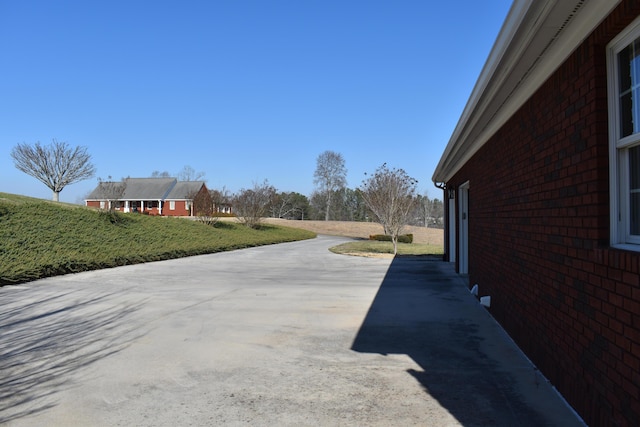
(287, 335)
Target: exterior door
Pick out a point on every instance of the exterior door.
(463, 213)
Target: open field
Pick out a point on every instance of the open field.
(361, 230)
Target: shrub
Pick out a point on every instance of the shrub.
(208, 219)
(404, 238)
(252, 204)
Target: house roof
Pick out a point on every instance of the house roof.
(103, 189)
(152, 189)
(536, 38)
(148, 188)
(185, 190)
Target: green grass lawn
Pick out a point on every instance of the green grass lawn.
(377, 247)
(40, 238)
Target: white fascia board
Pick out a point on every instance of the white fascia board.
(461, 147)
(506, 34)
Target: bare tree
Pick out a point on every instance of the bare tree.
(428, 211)
(353, 206)
(158, 174)
(317, 206)
(204, 208)
(189, 174)
(56, 165)
(251, 205)
(290, 205)
(424, 210)
(112, 191)
(330, 176)
(390, 194)
(437, 212)
(221, 200)
(346, 205)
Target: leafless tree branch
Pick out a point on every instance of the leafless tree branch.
(56, 165)
(251, 205)
(330, 176)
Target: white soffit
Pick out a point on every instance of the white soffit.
(536, 38)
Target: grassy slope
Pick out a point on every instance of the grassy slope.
(40, 239)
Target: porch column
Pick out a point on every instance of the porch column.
(126, 206)
(159, 207)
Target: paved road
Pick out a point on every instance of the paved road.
(287, 335)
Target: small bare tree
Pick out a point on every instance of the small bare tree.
(329, 177)
(252, 205)
(112, 191)
(56, 165)
(390, 194)
(221, 200)
(425, 208)
(189, 174)
(203, 207)
(289, 205)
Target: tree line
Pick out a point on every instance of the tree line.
(348, 205)
(332, 199)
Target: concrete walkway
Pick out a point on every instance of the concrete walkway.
(287, 335)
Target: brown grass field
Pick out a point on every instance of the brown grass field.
(361, 230)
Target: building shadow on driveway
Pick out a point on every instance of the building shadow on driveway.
(424, 310)
(43, 340)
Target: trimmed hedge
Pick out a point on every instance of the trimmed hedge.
(404, 238)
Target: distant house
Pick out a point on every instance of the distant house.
(541, 179)
(223, 208)
(154, 196)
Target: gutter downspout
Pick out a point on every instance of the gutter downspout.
(445, 204)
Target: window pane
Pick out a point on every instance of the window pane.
(634, 60)
(634, 189)
(629, 80)
(624, 63)
(626, 115)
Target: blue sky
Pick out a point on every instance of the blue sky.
(243, 90)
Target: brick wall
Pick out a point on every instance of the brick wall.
(539, 236)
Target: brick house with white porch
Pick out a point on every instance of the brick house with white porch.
(153, 196)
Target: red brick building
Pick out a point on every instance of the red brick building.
(542, 188)
(153, 196)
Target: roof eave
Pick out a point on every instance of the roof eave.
(536, 38)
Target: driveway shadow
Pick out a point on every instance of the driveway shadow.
(43, 340)
(424, 310)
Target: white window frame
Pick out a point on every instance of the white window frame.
(620, 235)
(172, 205)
